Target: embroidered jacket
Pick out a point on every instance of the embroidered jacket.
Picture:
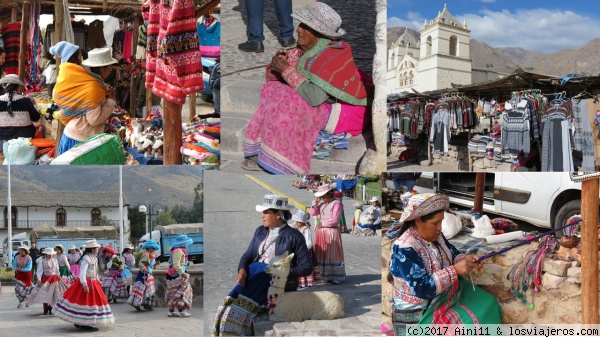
(421, 270)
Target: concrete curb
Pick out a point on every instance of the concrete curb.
(271, 189)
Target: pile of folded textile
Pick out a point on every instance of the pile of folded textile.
(327, 142)
(201, 142)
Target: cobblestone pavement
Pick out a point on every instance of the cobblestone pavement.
(231, 217)
(30, 321)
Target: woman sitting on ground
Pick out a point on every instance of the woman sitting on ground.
(315, 86)
(425, 269)
(235, 315)
(81, 93)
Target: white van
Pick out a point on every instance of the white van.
(545, 199)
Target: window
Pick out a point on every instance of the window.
(453, 45)
(61, 217)
(428, 46)
(96, 214)
(13, 216)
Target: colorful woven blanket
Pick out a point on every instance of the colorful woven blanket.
(77, 91)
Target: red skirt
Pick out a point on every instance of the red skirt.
(25, 277)
(89, 308)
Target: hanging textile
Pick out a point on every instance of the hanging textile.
(67, 25)
(34, 43)
(440, 128)
(173, 55)
(556, 138)
(127, 45)
(11, 33)
(209, 32)
(140, 54)
(515, 129)
(95, 34)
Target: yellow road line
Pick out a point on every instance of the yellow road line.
(273, 190)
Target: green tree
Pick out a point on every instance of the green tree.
(165, 218)
(137, 221)
(181, 214)
(196, 214)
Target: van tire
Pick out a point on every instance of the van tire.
(564, 213)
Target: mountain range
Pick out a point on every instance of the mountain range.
(170, 185)
(509, 59)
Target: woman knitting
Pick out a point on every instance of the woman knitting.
(425, 268)
(81, 93)
(275, 237)
(315, 86)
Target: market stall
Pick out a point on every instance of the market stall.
(521, 120)
(163, 135)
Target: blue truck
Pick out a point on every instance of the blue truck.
(165, 236)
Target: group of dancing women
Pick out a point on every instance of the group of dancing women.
(78, 287)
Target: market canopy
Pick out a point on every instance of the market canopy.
(189, 228)
(106, 232)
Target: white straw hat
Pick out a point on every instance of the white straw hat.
(273, 201)
(99, 57)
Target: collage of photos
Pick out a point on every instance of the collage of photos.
(383, 168)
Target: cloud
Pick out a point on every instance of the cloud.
(413, 20)
(532, 29)
(488, 1)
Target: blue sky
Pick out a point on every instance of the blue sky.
(546, 26)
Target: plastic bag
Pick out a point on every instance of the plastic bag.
(483, 227)
(451, 225)
(19, 152)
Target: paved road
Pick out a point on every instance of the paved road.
(30, 321)
(230, 216)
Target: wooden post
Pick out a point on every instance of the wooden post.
(479, 189)
(135, 82)
(192, 106)
(58, 36)
(172, 133)
(589, 251)
(148, 101)
(23, 42)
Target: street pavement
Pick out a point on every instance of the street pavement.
(243, 75)
(30, 321)
(230, 216)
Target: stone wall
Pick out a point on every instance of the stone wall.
(196, 279)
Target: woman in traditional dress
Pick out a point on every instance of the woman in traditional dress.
(50, 287)
(22, 266)
(275, 237)
(426, 269)
(328, 238)
(112, 283)
(129, 260)
(142, 292)
(73, 257)
(84, 303)
(17, 112)
(179, 289)
(81, 93)
(315, 86)
(64, 266)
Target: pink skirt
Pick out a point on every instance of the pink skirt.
(330, 254)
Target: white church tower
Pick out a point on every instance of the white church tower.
(444, 53)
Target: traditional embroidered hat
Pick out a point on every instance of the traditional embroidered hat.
(374, 199)
(323, 189)
(49, 251)
(423, 204)
(91, 244)
(358, 205)
(109, 249)
(301, 216)
(273, 201)
(64, 50)
(150, 244)
(127, 246)
(182, 240)
(62, 249)
(72, 247)
(99, 57)
(11, 79)
(321, 18)
(25, 248)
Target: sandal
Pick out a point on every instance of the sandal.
(250, 165)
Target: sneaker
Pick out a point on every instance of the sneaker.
(252, 47)
(148, 307)
(173, 314)
(184, 313)
(26, 305)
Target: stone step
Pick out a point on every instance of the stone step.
(240, 95)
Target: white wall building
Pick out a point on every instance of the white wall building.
(59, 209)
(441, 57)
